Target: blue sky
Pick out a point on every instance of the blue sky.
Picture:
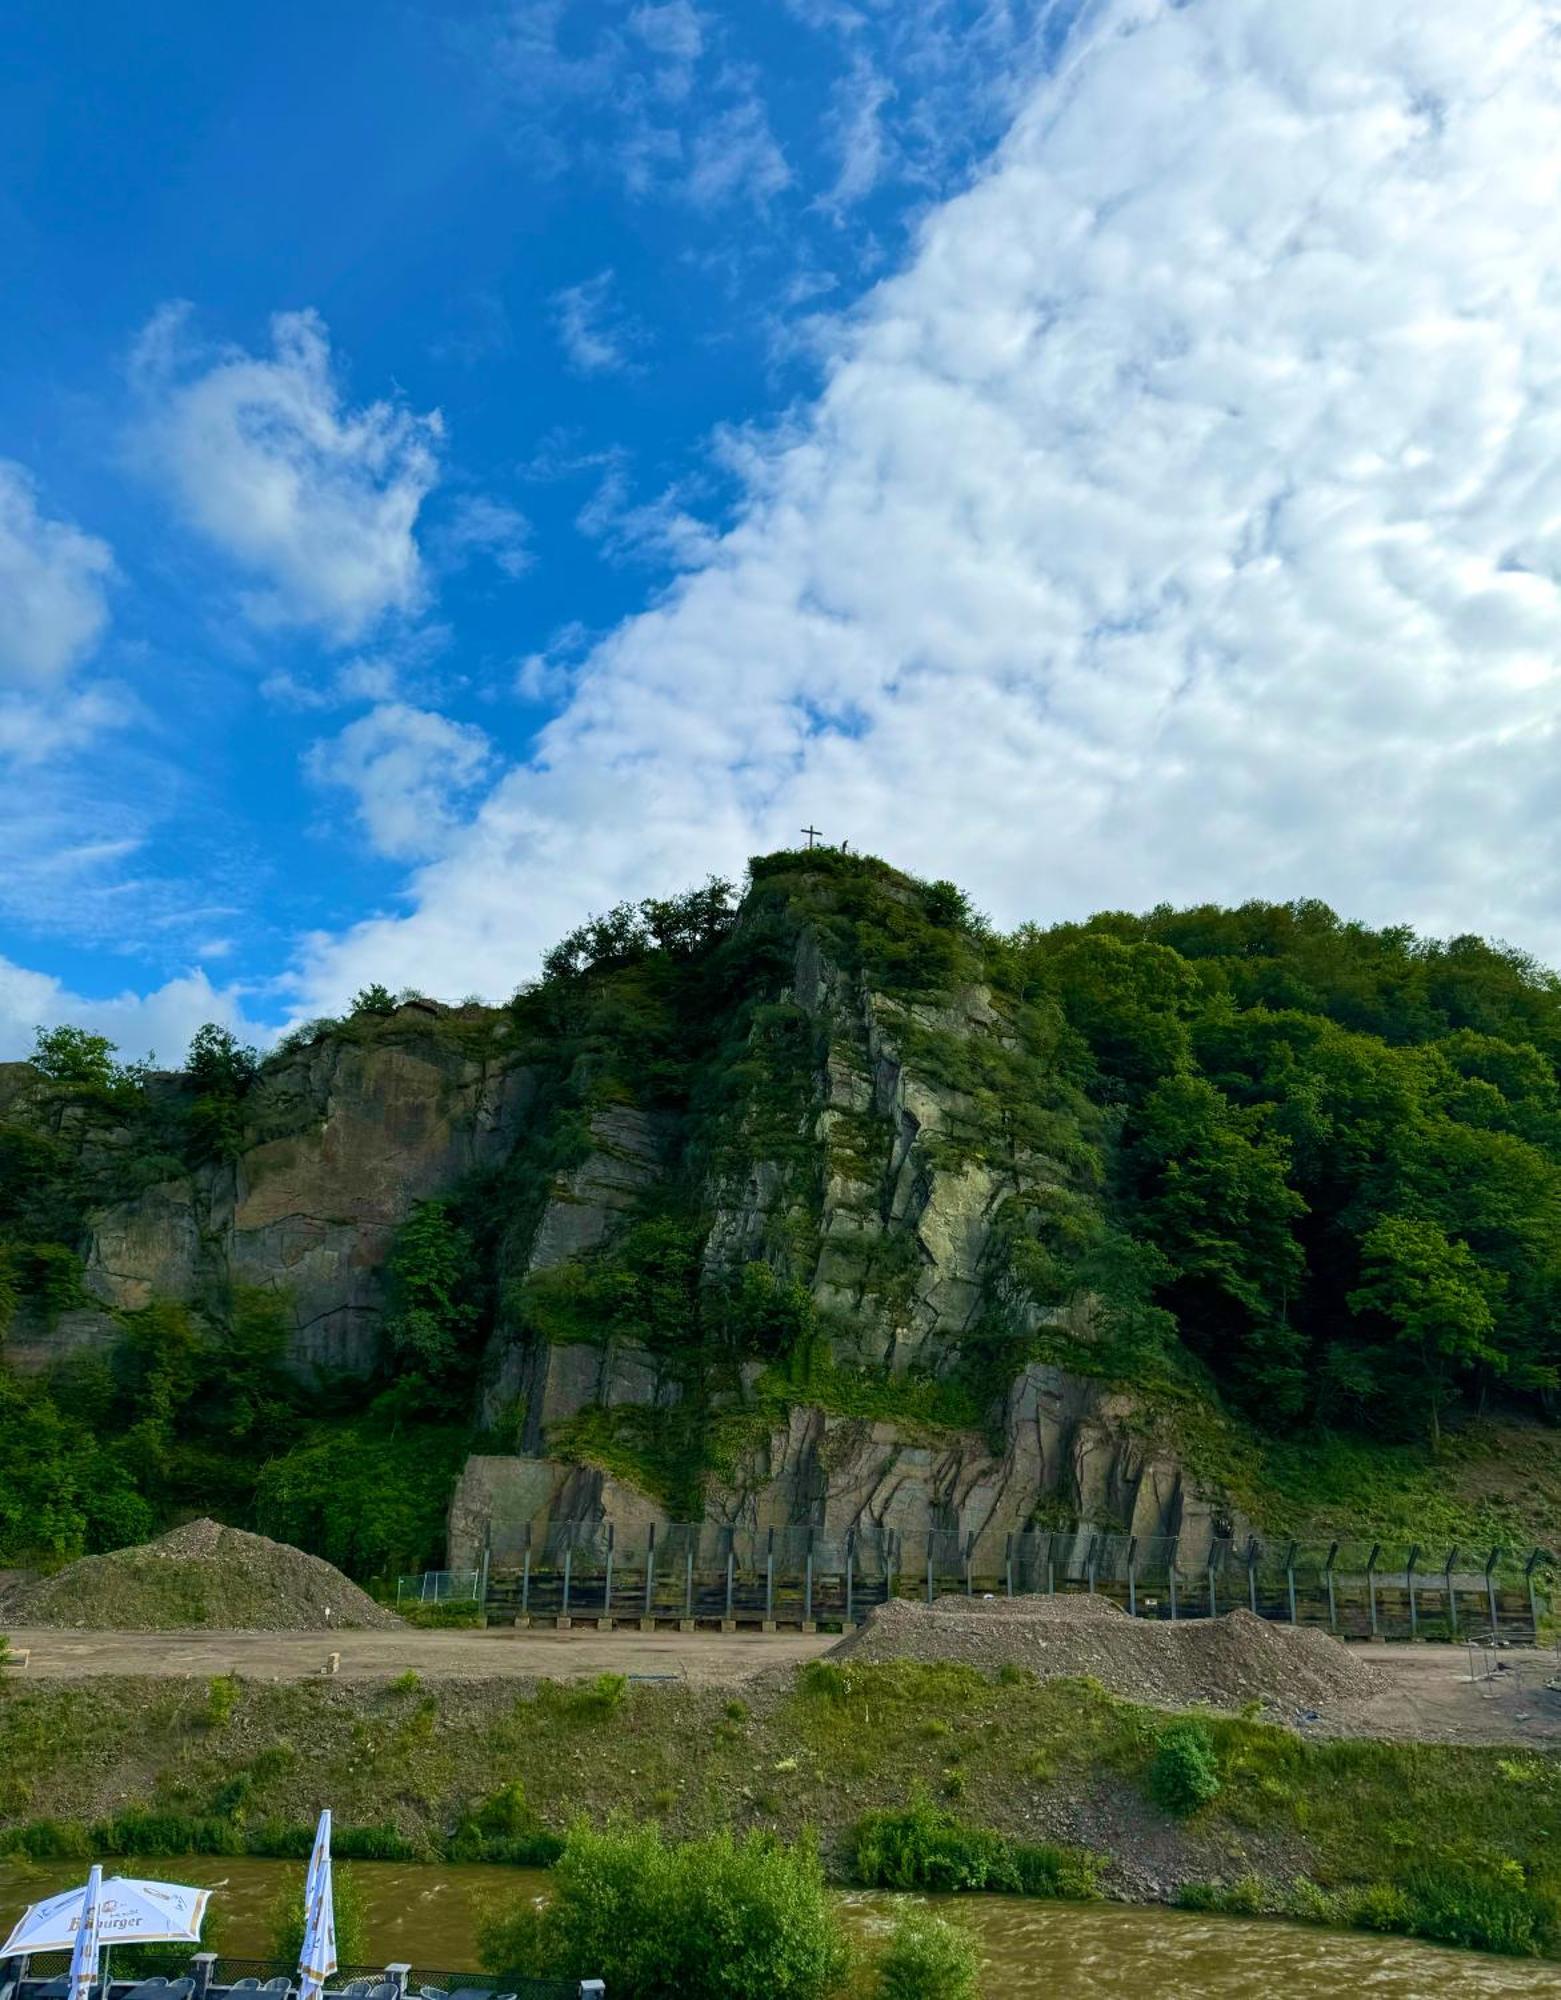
(463, 465)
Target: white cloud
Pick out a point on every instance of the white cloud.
(735, 156)
(158, 1023)
(671, 29)
(32, 730)
(53, 609)
(1184, 521)
(478, 526)
(595, 337)
(860, 139)
(314, 500)
(407, 769)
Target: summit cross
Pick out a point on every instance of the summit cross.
(812, 834)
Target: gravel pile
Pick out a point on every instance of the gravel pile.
(203, 1576)
(1223, 1662)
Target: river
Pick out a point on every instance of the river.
(1062, 1951)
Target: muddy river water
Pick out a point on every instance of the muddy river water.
(1062, 1951)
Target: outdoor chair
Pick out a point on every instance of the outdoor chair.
(355, 1987)
(382, 1989)
(249, 1985)
(162, 1989)
(277, 1986)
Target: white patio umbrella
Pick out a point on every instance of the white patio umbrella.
(84, 1953)
(317, 1960)
(128, 1912)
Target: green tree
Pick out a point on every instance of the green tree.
(1216, 1200)
(435, 1303)
(1438, 1298)
(375, 999)
(220, 1064)
(72, 1056)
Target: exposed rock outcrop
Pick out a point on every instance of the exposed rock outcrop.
(348, 1136)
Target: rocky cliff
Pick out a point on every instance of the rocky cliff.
(784, 1216)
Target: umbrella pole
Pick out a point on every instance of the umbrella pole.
(103, 1970)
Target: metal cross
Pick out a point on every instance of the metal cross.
(812, 834)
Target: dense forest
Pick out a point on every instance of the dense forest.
(1310, 1168)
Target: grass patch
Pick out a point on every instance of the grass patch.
(1460, 1845)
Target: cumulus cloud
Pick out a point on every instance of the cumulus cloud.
(406, 769)
(1184, 520)
(314, 500)
(53, 578)
(139, 1024)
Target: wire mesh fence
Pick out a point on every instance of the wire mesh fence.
(440, 1586)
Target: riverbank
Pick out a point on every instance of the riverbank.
(487, 1769)
(428, 1915)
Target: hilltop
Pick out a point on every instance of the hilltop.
(822, 1203)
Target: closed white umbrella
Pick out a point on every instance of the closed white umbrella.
(84, 1953)
(317, 1960)
(128, 1912)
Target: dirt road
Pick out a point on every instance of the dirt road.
(1429, 1695)
(706, 1657)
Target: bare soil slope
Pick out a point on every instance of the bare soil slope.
(201, 1577)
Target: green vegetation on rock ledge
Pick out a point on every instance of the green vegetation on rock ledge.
(1294, 1182)
(1056, 1792)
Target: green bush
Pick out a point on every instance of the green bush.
(929, 1959)
(502, 1827)
(287, 1918)
(221, 1699)
(1487, 1906)
(1184, 1773)
(740, 1919)
(923, 1847)
(590, 1701)
(454, 1615)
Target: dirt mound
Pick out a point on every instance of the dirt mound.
(1224, 1662)
(202, 1576)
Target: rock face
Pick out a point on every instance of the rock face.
(725, 1202)
(842, 1475)
(349, 1136)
